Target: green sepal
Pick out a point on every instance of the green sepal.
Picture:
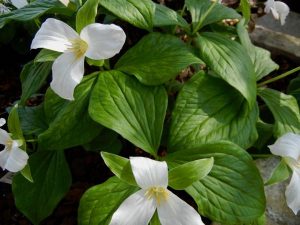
(184, 175)
(279, 174)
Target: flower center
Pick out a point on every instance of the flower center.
(9, 144)
(79, 47)
(160, 194)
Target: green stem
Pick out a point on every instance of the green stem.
(31, 140)
(261, 155)
(279, 77)
(181, 14)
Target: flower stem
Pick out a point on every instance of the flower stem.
(261, 155)
(31, 140)
(279, 77)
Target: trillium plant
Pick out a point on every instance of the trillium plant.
(171, 96)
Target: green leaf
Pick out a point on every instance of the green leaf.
(52, 179)
(280, 173)
(33, 121)
(294, 88)
(261, 58)
(98, 203)
(69, 122)
(233, 191)
(26, 172)
(287, 117)
(86, 14)
(165, 16)
(207, 110)
(46, 55)
(155, 219)
(120, 166)
(33, 77)
(34, 10)
(135, 111)
(205, 12)
(265, 133)
(156, 58)
(136, 12)
(107, 141)
(186, 174)
(228, 59)
(245, 7)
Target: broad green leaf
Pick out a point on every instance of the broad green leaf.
(261, 58)
(34, 10)
(265, 133)
(120, 166)
(186, 174)
(228, 59)
(280, 173)
(46, 55)
(245, 7)
(136, 12)
(69, 121)
(156, 58)
(33, 77)
(52, 179)
(165, 16)
(205, 12)
(294, 88)
(284, 109)
(86, 14)
(135, 111)
(233, 191)
(107, 141)
(33, 121)
(207, 110)
(98, 203)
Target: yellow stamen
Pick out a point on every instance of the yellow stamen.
(9, 144)
(160, 194)
(79, 47)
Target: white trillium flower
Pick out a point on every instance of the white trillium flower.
(65, 2)
(279, 9)
(138, 209)
(96, 41)
(12, 157)
(4, 9)
(288, 147)
(19, 3)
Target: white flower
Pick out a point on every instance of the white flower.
(19, 3)
(138, 209)
(280, 10)
(4, 9)
(96, 41)
(288, 147)
(65, 2)
(12, 157)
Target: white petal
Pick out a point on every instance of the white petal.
(104, 41)
(283, 10)
(174, 211)
(275, 13)
(292, 192)
(4, 154)
(268, 5)
(135, 210)
(65, 2)
(17, 160)
(67, 72)
(2, 122)
(4, 137)
(19, 3)
(287, 145)
(149, 173)
(54, 35)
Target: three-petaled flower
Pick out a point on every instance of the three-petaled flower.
(279, 9)
(96, 41)
(12, 157)
(288, 147)
(138, 209)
